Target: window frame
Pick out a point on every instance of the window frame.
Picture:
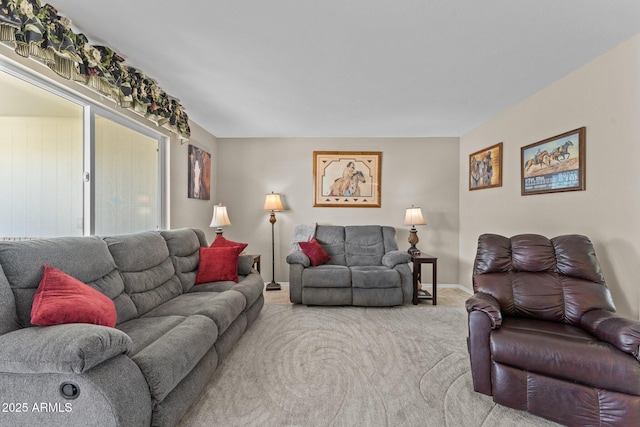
(91, 108)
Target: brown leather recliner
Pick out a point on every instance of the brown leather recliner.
(543, 336)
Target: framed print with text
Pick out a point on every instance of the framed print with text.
(555, 164)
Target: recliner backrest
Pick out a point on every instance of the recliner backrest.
(364, 245)
(85, 258)
(147, 270)
(530, 275)
(184, 248)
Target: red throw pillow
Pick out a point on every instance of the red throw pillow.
(315, 252)
(218, 264)
(61, 298)
(221, 242)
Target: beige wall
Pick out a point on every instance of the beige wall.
(604, 96)
(421, 171)
(185, 212)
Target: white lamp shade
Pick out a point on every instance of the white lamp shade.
(413, 216)
(220, 217)
(273, 203)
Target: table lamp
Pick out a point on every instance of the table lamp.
(220, 218)
(413, 217)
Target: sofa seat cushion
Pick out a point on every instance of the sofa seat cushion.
(170, 358)
(327, 276)
(223, 308)
(375, 277)
(564, 351)
(146, 330)
(251, 286)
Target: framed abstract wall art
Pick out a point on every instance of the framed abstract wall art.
(347, 179)
(555, 164)
(485, 168)
(199, 174)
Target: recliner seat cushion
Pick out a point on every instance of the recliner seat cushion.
(551, 348)
(223, 308)
(326, 276)
(375, 277)
(170, 358)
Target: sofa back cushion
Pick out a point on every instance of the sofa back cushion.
(364, 245)
(331, 237)
(146, 267)
(84, 258)
(184, 245)
(530, 275)
(8, 315)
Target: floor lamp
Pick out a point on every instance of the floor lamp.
(273, 204)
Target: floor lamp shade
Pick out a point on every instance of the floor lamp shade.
(220, 218)
(273, 204)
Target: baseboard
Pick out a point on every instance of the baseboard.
(440, 286)
(453, 286)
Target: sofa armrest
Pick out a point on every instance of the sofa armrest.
(393, 258)
(298, 257)
(488, 305)
(70, 348)
(618, 331)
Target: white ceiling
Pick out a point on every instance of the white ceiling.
(353, 68)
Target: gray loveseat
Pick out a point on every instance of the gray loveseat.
(366, 269)
(169, 338)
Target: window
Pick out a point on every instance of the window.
(41, 162)
(51, 143)
(126, 179)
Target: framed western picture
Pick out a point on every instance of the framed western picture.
(199, 174)
(555, 164)
(347, 179)
(485, 168)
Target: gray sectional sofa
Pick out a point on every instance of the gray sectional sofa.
(148, 370)
(366, 269)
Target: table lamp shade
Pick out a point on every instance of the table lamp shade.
(273, 203)
(220, 217)
(413, 216)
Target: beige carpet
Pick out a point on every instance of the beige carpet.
(351, 366)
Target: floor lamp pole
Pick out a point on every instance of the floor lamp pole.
(273, 286)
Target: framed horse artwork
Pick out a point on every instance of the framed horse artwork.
(555, 164)
(485, 168)
(199, 175)
(347, 179)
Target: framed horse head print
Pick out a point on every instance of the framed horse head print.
(485, 168)
(347, 179)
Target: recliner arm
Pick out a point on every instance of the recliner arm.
(298, 257)
(486, 304)
(618, 331)
(70, 348)
(393, 258)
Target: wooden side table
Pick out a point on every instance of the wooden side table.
(256, 261)
(419, 259)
